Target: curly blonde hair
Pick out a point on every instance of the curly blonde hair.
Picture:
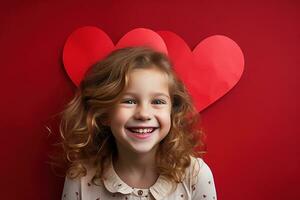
(86, 138)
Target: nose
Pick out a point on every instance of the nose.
(142, 113)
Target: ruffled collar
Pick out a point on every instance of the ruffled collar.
(113, 183)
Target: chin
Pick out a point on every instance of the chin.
(143, 150)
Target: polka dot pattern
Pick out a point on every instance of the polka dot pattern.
(201, 187)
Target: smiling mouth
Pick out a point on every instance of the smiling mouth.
(143, 130)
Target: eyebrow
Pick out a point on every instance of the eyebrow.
(153, 94)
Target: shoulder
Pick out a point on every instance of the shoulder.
(201, 179)
(199, 169)
(72, 186)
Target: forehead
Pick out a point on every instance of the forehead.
(149, 80)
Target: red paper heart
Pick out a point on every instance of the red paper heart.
(142, 37)
(209, 72)
(84, 47)
(87, 45)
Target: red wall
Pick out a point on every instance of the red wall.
(253, 131)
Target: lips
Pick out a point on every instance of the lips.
(141, 133)
(141, 130)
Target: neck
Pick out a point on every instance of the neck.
(134, 168)
(135, 163)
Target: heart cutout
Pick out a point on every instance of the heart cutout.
(214, 66)
(143, 37)
(87, 45)
(209, 71)
(84, 47)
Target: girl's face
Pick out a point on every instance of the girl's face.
(142, 118)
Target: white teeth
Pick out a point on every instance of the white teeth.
(142, 130)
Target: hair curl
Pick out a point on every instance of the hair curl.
(86, 138)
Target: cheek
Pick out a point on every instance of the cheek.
(118, 120)
(165, 119)
(119, 117)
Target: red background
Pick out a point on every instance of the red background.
(253, 131)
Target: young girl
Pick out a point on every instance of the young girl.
(129, 133)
